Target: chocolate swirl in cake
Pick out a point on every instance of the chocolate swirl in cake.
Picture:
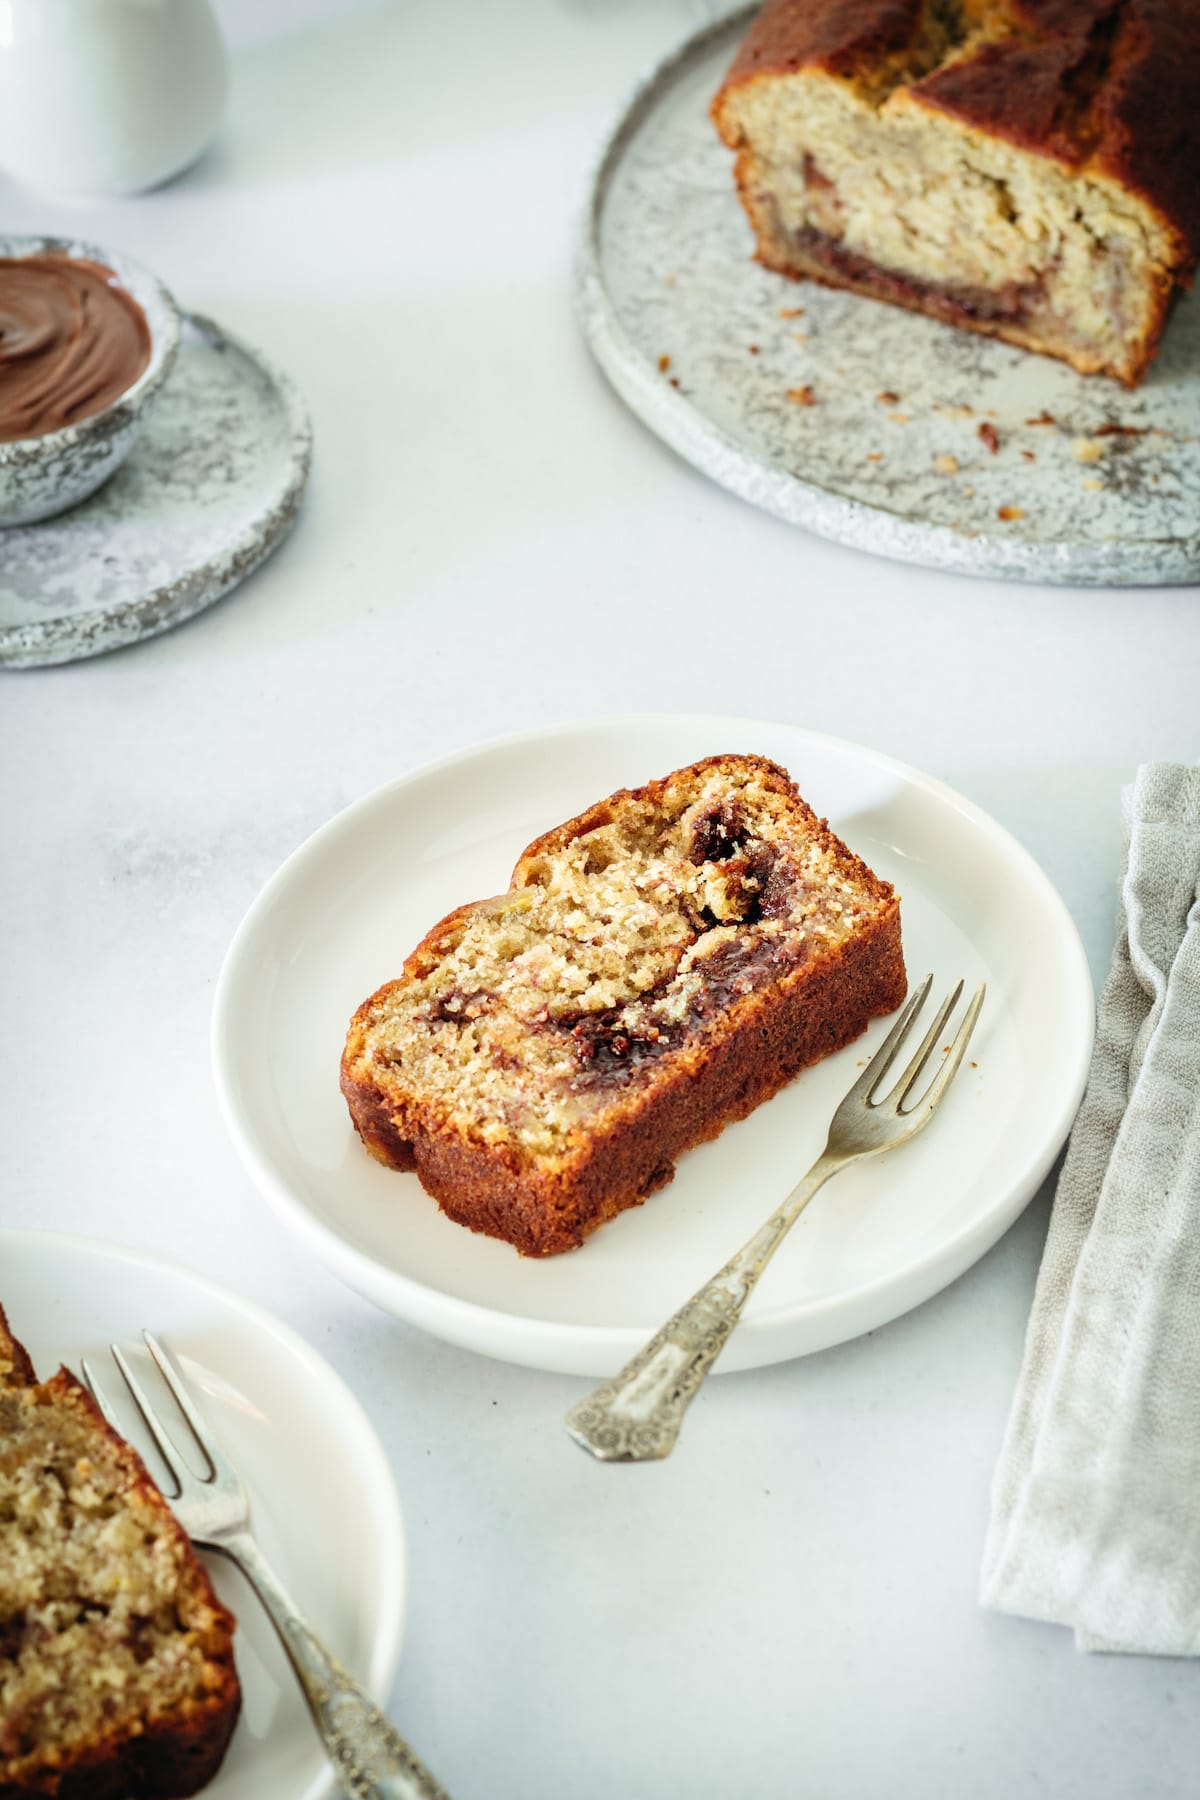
(72, 340)
(660, 964)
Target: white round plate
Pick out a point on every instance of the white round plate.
(858, 420)
(341, 915)
(323, 1502)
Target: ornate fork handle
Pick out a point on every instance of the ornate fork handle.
(637, 1416)
(372, 1760)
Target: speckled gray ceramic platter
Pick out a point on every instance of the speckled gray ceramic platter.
(212, 485)
(859, 420)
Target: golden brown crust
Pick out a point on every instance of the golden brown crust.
(16, 1370)
(161, 1758)
(172, 1759)
(843, 37)
(1107, 87)
(817, 1005)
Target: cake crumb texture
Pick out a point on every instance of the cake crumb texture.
(659, 966)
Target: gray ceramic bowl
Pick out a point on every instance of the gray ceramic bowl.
(41, 476)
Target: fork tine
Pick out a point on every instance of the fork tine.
(958, 1050)
(912, 1074)
(99, 1396)
(183, 1400)
(888, 1051)
(166, 1448)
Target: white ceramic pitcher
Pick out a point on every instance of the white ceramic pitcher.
(107, 96)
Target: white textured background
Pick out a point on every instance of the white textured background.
(490, 542)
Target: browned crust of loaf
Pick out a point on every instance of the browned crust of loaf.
(16, 1370)
(173, 1756)
(1106, 87)
(828, 264)
(817, 1008)
(843, 37)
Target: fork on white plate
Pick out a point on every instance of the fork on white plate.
(372, 1761)
(637, 1416)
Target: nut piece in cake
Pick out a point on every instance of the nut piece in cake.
(1029, 169)
(659, 966)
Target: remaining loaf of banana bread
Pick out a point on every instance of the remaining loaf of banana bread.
(117, 1679)
(1026, 168)
(659, 966)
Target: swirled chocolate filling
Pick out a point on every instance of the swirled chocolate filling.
(625, 945)
(72, 340)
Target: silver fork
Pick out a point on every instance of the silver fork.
(637, 1416)
(371, 1759)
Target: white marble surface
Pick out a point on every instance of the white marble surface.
(491, 542)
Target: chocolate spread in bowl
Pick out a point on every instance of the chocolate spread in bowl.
(72, 340)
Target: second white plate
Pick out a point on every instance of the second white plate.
(341, 915)
(322, 1500)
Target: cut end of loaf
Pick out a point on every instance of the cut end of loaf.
(1009, 168)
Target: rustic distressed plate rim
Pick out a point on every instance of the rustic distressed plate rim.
(73, 637)
(858, 524)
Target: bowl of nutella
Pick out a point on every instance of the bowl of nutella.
(87, 337)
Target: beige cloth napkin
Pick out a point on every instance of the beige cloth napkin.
(1096, 1498)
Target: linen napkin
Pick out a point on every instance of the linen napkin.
(1096, 1498)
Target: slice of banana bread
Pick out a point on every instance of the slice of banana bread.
(1029, 169)
(660, 965)
(117, 1679)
